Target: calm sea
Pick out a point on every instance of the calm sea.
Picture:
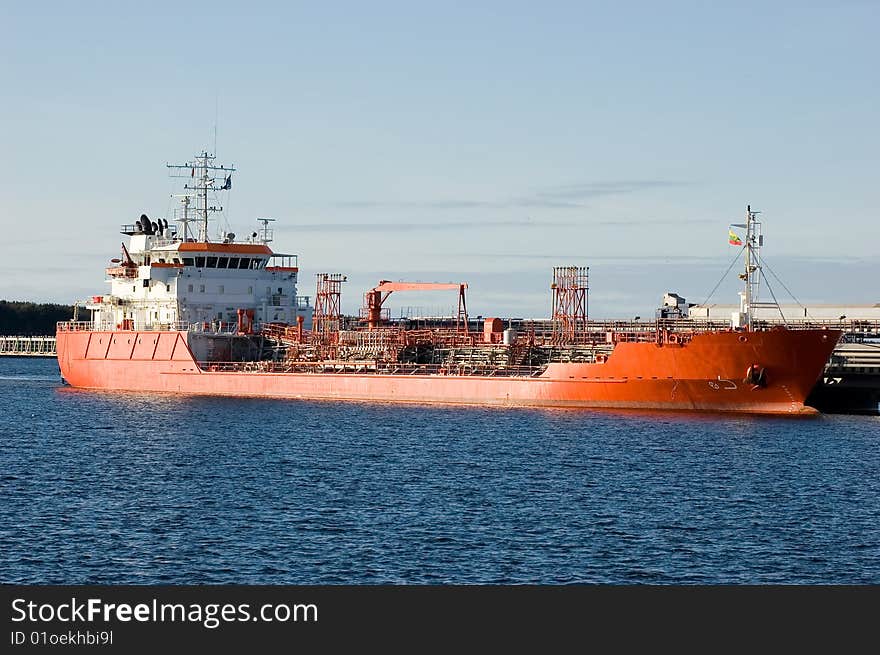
(141, 488)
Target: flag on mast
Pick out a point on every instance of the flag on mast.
(733, 238)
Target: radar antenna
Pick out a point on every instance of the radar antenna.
(266, 233)
(205, 175)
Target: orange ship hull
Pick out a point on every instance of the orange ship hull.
(705, 373)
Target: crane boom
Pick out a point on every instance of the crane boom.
(385, 285)
(376, 297)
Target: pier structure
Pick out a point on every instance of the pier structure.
(16, 346)
(851, 382)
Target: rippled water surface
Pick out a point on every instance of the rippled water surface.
(141, 488)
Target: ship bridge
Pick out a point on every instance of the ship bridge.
(175, 276)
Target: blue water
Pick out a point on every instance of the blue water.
(140, 488)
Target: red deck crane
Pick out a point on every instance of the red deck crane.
(375, 297)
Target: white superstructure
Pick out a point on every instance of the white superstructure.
(792, 312)
(170, 278)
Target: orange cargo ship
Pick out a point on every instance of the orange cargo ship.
(189, 315)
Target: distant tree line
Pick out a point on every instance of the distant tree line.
(31, 319)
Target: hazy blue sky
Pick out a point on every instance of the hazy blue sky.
(478, 141)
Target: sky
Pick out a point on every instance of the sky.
(479, 142)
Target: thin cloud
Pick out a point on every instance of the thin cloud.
(850, 261)
(653, 259)
(595, 189)
(457, 224)
(568, 196)
(642, 222)
(428, 204)
(413, 227)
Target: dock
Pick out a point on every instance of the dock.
(851, 383)
(16, 346)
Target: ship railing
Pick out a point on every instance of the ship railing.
(544, 328)
(286, 300)
(279, 260)
(163, 326)
(375, 367)
(869, 326)
(130, 272)
(75, 326)
(90, 326)
(369, 338)
(212, 327)
(855, 330)
(278, 331)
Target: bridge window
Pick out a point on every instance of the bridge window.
(200, 262)
(233, 262)
(188, 261)
(212, 262)
(244, 262)
(222, 262)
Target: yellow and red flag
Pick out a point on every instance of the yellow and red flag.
(733, 238)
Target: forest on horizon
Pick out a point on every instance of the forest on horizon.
(29, 319)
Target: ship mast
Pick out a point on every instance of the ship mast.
(184, 218)
(752, 273)
(205, 175)
(266, 233)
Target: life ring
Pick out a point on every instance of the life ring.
(673, 338)
(601, 359)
